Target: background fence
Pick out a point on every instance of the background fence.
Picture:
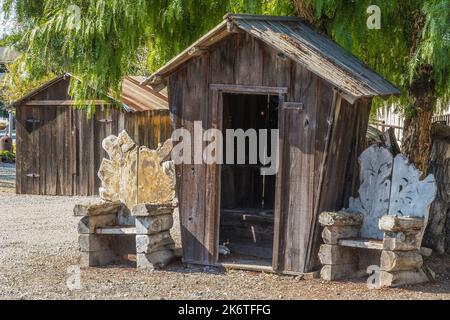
(389, 118)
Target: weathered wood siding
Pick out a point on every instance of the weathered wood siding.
(62, 153)
(243, 60)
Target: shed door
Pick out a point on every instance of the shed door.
(27, 132)
(44, 147)
(296, 187)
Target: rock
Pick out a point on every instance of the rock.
(88, 225)
(151, 210)
(92, 243)
(148, 244)
(341, 218)
(402, 278)
(339, 272)
(398, 224)
(154, 260)
(332, 235)
(107, 173)
(426, 252)
(97, 258)
(100, 209)
(402, 241)
(334, 254)
(401, 261)
(153, 225)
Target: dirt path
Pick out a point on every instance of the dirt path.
(38, 243)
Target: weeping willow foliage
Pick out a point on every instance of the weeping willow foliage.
(413, 33)
(106, 39)
(115, 37)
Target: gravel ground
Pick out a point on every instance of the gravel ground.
(7, 177)
(38, 243)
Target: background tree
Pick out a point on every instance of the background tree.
(107, 39)
(411, 49)
(100, 41)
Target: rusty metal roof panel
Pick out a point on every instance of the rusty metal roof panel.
(316, 52)
(140, 97)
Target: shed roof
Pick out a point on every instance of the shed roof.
(317, 53)
(135, 96)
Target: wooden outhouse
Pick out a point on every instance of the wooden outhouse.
(59, 148)
(265, 72)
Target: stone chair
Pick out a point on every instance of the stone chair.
(136, 212)
(382, 229)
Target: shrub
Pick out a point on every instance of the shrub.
(7, 157)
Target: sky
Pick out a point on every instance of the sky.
(6, 25)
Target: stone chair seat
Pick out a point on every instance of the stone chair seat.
(116, 230)
(107, 233)
(346, 254)
(371, 244)
(138, 190)
(382, 229)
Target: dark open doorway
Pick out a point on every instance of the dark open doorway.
(248, 197)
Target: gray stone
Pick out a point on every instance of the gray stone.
(334, 254)
(402, 278)
(152, 243)
(97, 258)
(153, 225)
(339, 272)
(151, 210)
(88, 225)
(158, 259)
(332, 235)
(92, 242)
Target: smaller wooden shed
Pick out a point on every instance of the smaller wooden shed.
(264, 73)
(59, 149)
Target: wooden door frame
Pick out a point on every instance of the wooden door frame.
(217, 91)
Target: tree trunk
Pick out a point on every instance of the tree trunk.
(417, 131)
(437, 235)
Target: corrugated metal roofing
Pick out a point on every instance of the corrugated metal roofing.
(135, 97)
(140, 97)
(289, 35)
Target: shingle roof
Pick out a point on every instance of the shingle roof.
(299, 42)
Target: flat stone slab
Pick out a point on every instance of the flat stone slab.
(341, 218)
(152, 209)
(362, 243)
(98, 209)
(116, 230)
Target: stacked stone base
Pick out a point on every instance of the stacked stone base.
(151, 243)
(154, 244)
(339, 263)
(399, 262)
(96, 250)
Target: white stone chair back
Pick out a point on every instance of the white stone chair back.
(390, 187)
